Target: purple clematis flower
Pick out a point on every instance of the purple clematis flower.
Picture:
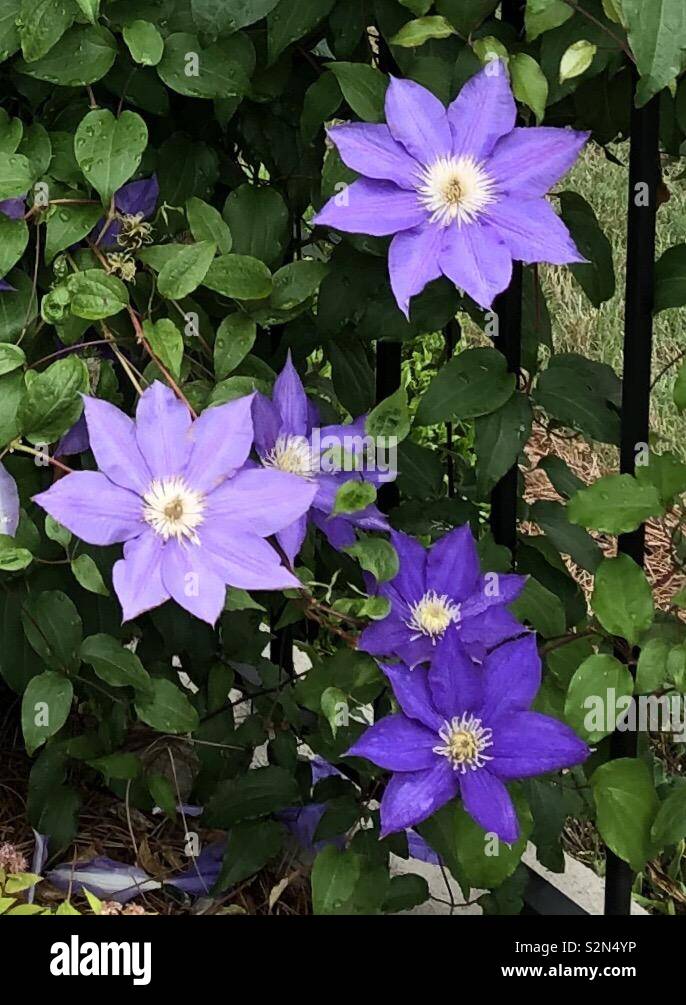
(173, 491)
(461, 189)
(9, 504)
(436, 589)
(287, 438)
(135, 201)
(103, 877)
(467, 730)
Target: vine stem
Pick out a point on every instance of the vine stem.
(44, 457)
(603, 27)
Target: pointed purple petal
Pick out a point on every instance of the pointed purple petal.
(483, 111)
(137, 577)
(512, 676)
(398, 744)
(418, 120)
(75, 440)
(291, 401)
(138, 197)
(387, 637)
(291, 538)
(533, 231)
(488, 802)
(411, 688)
(410, 582)
(338, 532)
(453, 564)
(529, 743)
(192, 581)
(94, 508)
(412, 796)
(162, 427)
(266, 423)
(477, 261)
(487, 630)
(220, 440)
(371, 151)
(112, 436)
(492, 590)
(454, 679)
(260, 501)
(378, 208)
(413, 261)
(528, 162)
(15, 208)
(9, 503)
(245, 560)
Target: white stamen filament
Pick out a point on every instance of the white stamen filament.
(465, 740)
(173, 509)
(455, 189)
(432, 615)
(293, 454)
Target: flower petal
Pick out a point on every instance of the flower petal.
(413, 261)
(529, 743)
(112, 437)
(138, 197)
(371, 151)
(260, 501)
(492, 590)
(137, 577)
(511, 676)
(387, 637)
(485, 631)
(338, 532)
(483, 111)
(477, 261)
(291, 538)
(418, 120)
(9, 503)
(528, 162)
(266, 423)
(398, 744)
(190, 576)
(412, 796)
(488, 802)
(95, 509)
(162, 426)
(454, 679)
(533, 231)
(411, 688)
(220, 440)
(378, 208)
(453, 564)
(410, 583)
(245, 560)
(291, 401)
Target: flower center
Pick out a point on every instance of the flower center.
(432, 614)
(173, 509)
(464, 742)
(455, 189)
(292, 454)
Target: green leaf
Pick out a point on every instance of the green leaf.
(353, 496)
(220, 70)
(108, 149)
(577, 59)
(544, 15)
(166, 342)
(657, 36)
(116, 665)
(321, 102)
(345, 882)
(11, 357)
(615, 504)
(484, 861)
(12, 393)
(235, 338)
(45, 707)
(145, 43)
(83, 55)
(250, 846)
(651, 670)
(88, 575)
(16, 176)
(13, 558)
(667, 473)
(36, 146)
(186, 270)
(421, 30)
(258, 219)
(390, 418)
(541, 608)
(466, 15)
(626, 807)
(622, 598)
(67, 225)
(96, 294)
(9, 31)
(669, 826)
(500, 439)
(581, 394)
(53, 402)
(296, 282)
(206, 224)
(405, 892)
(569, 539)
(670, 279)
(14, 236)
(254, 794)
(597, 278)
(375, 555)
(475, 382)
(363, 87)
(529, 84)
(239, 276)
(679, 392)
(42, 24)
(122, 765)
(596, 686)
(167, 709)
(289, 22)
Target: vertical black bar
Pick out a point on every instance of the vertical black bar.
(452, 335)
(644, 179)
(388, 378)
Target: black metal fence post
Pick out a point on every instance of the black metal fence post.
(644, 180)
(388, 378)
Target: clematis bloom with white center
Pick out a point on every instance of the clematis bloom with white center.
(461, 188)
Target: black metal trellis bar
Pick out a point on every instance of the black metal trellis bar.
(388, 378)
(644, 180)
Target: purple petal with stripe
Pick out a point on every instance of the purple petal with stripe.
(371, 151)
(95, 509)
(418, 120)
(414, 261)
(529, 743)
(483, 111)
(488, 802)
(528, 162)
(162, 428)
(477, 261)
(137, 577)
(112, 437)
(398, 744)
(412, 796)
(372, 207)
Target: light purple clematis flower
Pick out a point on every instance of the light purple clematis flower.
(9, 503)
(172, 490)
(466, 729)
(461, 188)
(438, 588)
(284, 441)
(137, 199)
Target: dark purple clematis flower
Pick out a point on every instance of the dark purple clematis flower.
(466, 729)
(75, 440)
(284, 441)
(461, 189)
(9, 503)
(15, 208)
(172, 490)
(438, 588)
(135, 201)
